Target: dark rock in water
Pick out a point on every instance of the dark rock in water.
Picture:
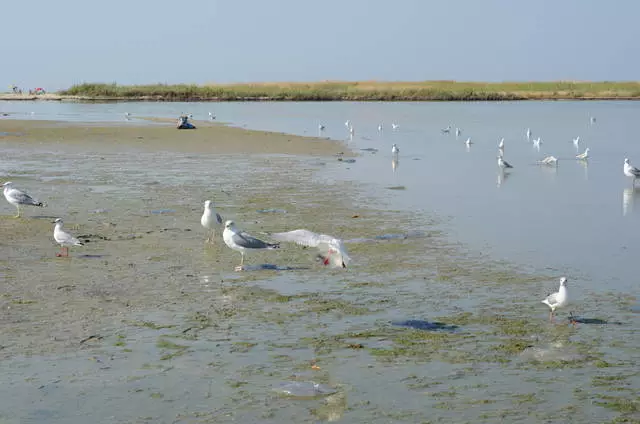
(425, 325)
(271, 210)
(163, 211)
(303, 389)
(346, 160)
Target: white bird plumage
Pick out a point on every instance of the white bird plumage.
(64, 239)
(503, 163)
(558, 299)
(528, 133)
(549, 160)
(446, 130)
(19, 198)
(501, 144)
(394, 149)
(332, 249)
(583, 156)
(630, 170)
(240, 241)
(576, 141)
(395, 126)
(468, 142)
(458, 132)
(210, 220)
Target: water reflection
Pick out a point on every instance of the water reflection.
(394, 163)
(333, 407)
(502, 177)
(629, 196)
(585, 165)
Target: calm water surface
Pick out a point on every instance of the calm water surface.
(581, 218)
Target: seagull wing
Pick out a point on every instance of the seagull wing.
(21, 197)
(552, 299)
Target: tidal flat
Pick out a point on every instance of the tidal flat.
(147, 323)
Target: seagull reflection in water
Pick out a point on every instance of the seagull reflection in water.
(394, 164)
(629, 197)
(502, 177)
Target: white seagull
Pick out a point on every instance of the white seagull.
(210, 220)
(549, 160)
(240, 241)
(127, 116)
(528, 133)
(446, 130)
(503, 163)
(630, 170)
(380, 128)
(64, 239)
(558, 299)
(17, 197)
(320, 127)
(394, 149)
(211, 116)
(583, 156)
(537, 142)
(468, 142)
(332, 250)
(592, 120)
(347, 123)
(576, 141)
(501, 144)
(395, 126)
(458, 132)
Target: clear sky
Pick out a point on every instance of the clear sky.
(56, 43)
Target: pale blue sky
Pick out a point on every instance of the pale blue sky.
(54, 44)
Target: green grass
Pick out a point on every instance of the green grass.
(362, 91)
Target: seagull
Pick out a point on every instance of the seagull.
(211, 116)
(583, 156)
(210, 219)
(394, 149)
(558, 299)
(549, 160)
(528, 133)
(64, 239)
(395, 126)
(446, 130)
(347, 123)
(127, 116)
(501, 144)
(320, 127)
(351, 130)
(468, 142)
(537, 142)
(240, 241)
(332, 250)
(458, 132)
(17, 197)
(592, 120)
(576, 141)
(503, 163)
(630, 170)
(380, 127)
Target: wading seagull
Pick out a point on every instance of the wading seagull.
(18, 198)
(468, 142)
(127, 116)
(380, 127)
(537, 142)
(240, 241)
(395, 126)
(630, 170)
(332, 250)
(583, 156)
(347, 123)
(558, 299)
(211, 116)
(64, 239)
(503, 163)
(592, 119)
(320, 127)
(394, 149)
(446, 130)
(528, 133)
(210, 220)
(458, 132)
(549, 160)
(501, 144)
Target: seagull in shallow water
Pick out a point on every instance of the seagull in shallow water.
(332, 249)
(592, 120)
(537, 142)
(549, 160)
(64, 239)
(395, 126)
(501, 144)
(380, 128)
(320, 127)
(458, 132)
(558, 299)
(468, 142)
(240, 241)
(127, 116)
(394, 149)
(503, 163)
(528, 133)
(583, 156)
(210, 220)
(446, 130)
(19, 198)
(347, 123)
(630, 170)
(211, 116)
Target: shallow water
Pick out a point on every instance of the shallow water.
(180, 337)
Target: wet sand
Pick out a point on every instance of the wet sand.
(147, 323)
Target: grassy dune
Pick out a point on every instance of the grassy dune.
(362, 91)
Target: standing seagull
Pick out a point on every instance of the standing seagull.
(503, 163)
(468, 142)
(17, 197)
(558, 299)
(211, 116)
(536, 143)
(380, 127)
(332, 250)
(394, 149)
(446, 130)
(630, 170)
(64, 239)
(320, 127)
(528, 133)
(395, 126)
(240, 241)
(583, 156)
(210, 220)
(458, 132)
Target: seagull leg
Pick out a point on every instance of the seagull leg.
(241, 266)
(18, 215)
